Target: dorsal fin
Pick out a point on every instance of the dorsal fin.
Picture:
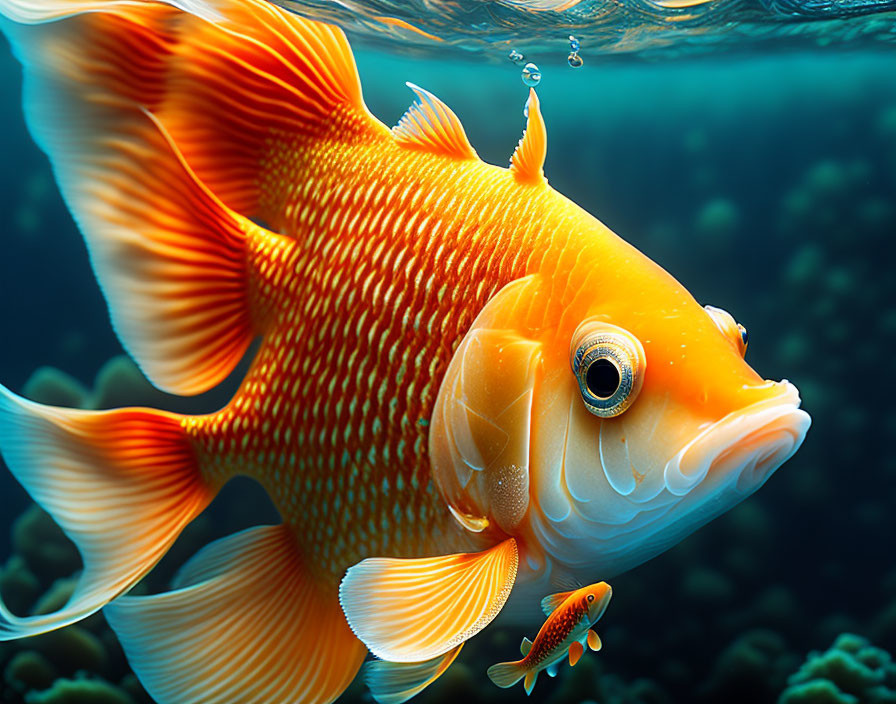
(550, 603)
(527, 162)
(432, 126)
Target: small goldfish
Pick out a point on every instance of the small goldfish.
(570, 618)
(464, 384)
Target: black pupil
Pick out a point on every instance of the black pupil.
(602, 378)
(591, 597)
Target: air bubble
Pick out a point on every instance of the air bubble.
(531, 75)
(574, 60)
(516, 57)
(573, 44)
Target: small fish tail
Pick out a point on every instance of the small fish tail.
(122, 484)
(506, 674)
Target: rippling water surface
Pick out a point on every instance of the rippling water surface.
(493, 27)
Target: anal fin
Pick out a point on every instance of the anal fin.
(245, 623)
(575, 652)
(417, 609)
(529, 681)
(396, 682)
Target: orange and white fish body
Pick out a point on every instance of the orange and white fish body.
(463, 381)
(566, 631)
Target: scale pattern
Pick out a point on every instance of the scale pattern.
(392, 254)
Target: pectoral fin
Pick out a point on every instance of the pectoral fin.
(415, 610)
(479, 436)
(594, 641)
(575, 652)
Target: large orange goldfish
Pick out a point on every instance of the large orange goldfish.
(464, 381)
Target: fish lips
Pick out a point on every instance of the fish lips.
(752, 442)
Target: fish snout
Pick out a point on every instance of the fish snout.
(745, 446)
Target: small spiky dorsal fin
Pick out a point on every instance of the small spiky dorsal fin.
(525, 646)
(432, 126)
(527, 162)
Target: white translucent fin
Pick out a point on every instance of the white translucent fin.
(396, 682)
(550, 603)
(432, 126)
(246, 623)
(527, 162)
(417, 609)
(121, 484)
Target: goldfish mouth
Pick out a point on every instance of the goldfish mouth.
(751, 443)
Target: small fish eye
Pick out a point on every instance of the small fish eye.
(733, 330)
(609, 364)
(591, 597)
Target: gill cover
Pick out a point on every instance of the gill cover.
(479, 436)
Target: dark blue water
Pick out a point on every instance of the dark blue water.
(767, 185)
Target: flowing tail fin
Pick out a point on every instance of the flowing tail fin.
(506, 674)
(166, 130)
(122, 484)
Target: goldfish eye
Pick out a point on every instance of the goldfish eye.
(725, 322)
(609, 364)
(591, 597)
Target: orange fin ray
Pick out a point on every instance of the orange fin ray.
(121, 484)
(234, 82)
(169, 256)
(527, 162)
(122, 116)
(432, 126)
(246, 622)
(396, 682)
(410, 610)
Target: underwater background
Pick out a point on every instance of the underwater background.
(765, 181)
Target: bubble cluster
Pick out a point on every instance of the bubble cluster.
(574, 60)
(517, 57)
(531, 75)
